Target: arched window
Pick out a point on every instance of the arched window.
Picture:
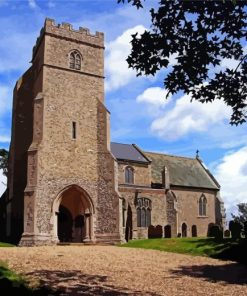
(129, 175)
(75, 60)
(143, 212)
(202, 206)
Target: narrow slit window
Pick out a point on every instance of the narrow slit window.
(73, 130)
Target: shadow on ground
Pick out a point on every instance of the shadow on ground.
(224, 249)
(76, 283)
(228, 273)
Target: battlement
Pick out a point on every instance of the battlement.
(65, 30)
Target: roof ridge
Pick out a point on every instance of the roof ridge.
(120, 143)
(171, 155)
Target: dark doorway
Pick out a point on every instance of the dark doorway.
(128, 228)
(65, 224)
(79, 227)
(167, 231)
(194, 231)
(184, 230)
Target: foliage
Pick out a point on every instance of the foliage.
(137, 3)
(11, 282)
(200, 34)
(14, 284)
(223, 249)
(241, 217)
(4, 161)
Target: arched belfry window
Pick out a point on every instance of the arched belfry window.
(129, 175)
(202, 206)
(75, 60)
(143, 212)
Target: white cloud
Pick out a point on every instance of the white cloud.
(117, 72)
(231, 173)
(3, 181)
(186, 117)
(154, 96)
(32, 4)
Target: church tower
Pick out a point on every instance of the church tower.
(62, 184)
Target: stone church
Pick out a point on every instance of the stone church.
(67, 183)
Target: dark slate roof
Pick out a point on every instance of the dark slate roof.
(128, 152)
(183, 171)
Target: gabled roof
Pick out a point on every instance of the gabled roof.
(129, 152)
(183, 171)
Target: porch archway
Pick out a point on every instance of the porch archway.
(73, 215)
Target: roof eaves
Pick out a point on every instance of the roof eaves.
(133, 161)
(197, 187)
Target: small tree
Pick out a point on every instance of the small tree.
(200, 34)
(4, 155)
(241, 217)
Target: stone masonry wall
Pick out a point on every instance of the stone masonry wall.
(188, 209)
(158, 214)
(142, 173)
(74, 96)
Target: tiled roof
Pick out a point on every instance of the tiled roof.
(183, 171)
(128, 152)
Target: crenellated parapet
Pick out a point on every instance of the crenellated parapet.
(66, 31)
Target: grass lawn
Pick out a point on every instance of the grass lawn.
(6, 245)
(224, 249)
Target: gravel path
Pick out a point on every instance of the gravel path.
(109, 270)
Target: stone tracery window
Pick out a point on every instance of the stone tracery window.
(129, 175)
(143, 212)
(202, 206)
(75, 60)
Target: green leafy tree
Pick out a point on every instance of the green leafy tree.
(241, 217)
(4, 154)
(200, 34)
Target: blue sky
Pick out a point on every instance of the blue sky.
(139, 112)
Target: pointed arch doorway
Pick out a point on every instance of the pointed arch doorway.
(73, 212)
